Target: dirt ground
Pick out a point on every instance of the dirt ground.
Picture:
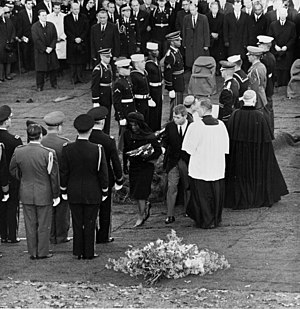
(262, 245)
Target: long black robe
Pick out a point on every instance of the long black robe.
(253, 177)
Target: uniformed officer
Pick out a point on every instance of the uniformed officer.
(173, 72)
(60, 214)
(9, 210)
(140, 85)
(99, 114)
(130, 39)
(268, 59)
(240, 76)
(155, 85)
(230, 92)
(160, 25)
(123, 98)
(102, 84)
(84, 179)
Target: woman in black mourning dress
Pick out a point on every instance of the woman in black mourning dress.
(141, 168)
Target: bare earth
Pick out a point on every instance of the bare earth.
(262, 245)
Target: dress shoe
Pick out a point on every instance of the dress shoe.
(4, 240)
(32, 257)
(67, 240)
(170, 220)
(90, 257)
(1, 80)
(15, 241)
(45, 256)
(105, 241)
(9, 78)
(1, 255)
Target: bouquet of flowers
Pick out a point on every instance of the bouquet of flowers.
(144, 151)
(168, 259)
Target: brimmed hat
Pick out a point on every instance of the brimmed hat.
(249, 96)
(135, 116)
(98, 113)
(123, 63)
(173, 36)
(83, 123)
(137, 57)
(234, 58)
(105, 52)
(226, 65)
(5, 112)
(188, 100)
(254, 50)
(152, 46)
(264, 39)
(54, 118)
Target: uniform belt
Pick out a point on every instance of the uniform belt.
(105, 85)
(126, 100)
(178, 72)
(155, 84)
(141, 96)
(161, 25)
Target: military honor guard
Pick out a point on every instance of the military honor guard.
(84, 182)
(140, 85)
(102, 85)
(268, 59)
(160, 25)
(240, 76)
(36, 167)
(115, 176)
(155, 85)
(130, 39)
(229, 95)
(9, 208)
(54, 140)
(173, 72)
(123, 98)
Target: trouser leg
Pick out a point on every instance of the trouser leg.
(31, 226)
(104, 218)
(173, 180)
(77, 224)
(89, 218)
(44, 214)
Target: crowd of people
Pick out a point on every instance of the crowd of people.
(220, 154)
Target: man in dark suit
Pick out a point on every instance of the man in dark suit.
(148, 6)
(174, 8)
(235, 31)
(142, 18)
(104, 35)
(26, 18)
(84, 182)
(76, 29)
(111, 11)
(44, 5)
(9, 211)
(181, 14)
(225, 7)
(37, 169)
(175, 160)
(44, 36)
(61, 213)
(115, 175)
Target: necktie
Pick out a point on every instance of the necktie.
(180, 131)
(76, 18)
(30, 17)
(194, 22)
(237, 16)
(49, 7)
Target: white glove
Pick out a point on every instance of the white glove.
(151, 103)
(64, 197)
(104, 198)
(118, 187)
(56, 201)
(172, 94)
(123, 122)
(5, 197)
(163, 150)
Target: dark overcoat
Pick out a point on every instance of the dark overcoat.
(7, 34)
(43, 38)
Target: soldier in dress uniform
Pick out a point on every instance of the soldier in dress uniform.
(173, 72)
(130, 38)
(160, 25)
(115, 176)
(155, 85)
(9, 210)
(240, 76)
(140, 85)
(123, 98)
(269, 60)
(229, 95)
(61, 213)
(102, 85)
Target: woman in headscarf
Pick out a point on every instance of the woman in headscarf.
(141, 167)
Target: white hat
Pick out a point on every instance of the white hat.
(123, 63)
(234, 58)
(265, 39)
(137, 57)
(249, 97)
(152, 46)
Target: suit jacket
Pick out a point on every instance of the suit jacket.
(115, 17)
(195, 39)
(172, 142)
(42, 6)
(227, 9)
(235, 33)
(37, 169)
(111, 155)
(179, 20)
(173, 14)
(83, 175)
(43, 38)
(109, 39)
(255, 28)
(24, 25)
(76, 53)
(149, 10)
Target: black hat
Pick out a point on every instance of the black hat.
(98, 113)
(30, 122)
(83, 123)
(34, 130)
(5, 112)
(135, 116)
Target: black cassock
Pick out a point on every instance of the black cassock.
(253, 177)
